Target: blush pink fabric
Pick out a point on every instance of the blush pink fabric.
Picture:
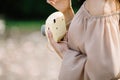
(94, 43)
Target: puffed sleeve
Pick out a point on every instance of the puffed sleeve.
(102, 47)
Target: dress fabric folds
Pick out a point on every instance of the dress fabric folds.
(94, 47)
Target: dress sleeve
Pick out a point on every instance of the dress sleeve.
(102, 47)
(72, 67)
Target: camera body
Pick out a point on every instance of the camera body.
(56, 23)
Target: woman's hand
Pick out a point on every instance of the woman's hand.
(61, 5)
(60, 47)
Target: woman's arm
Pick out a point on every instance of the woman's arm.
(69, 14)
(65, 7)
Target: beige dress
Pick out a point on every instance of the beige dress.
(94, 43)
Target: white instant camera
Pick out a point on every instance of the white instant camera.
(56, 23)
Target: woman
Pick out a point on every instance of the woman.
(92, 51)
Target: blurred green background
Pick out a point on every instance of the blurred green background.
(29, 9)
(28, 13)
(24, 52)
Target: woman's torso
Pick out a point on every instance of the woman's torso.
(79, 25)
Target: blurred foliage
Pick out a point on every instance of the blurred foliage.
(30, 9)
(29, 24)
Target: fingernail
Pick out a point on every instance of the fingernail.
(52, 2)
(48, 31)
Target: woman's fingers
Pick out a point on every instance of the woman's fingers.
(52, 42)
(52, 2)
(58, 47)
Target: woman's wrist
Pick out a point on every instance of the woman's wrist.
(69, 14)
